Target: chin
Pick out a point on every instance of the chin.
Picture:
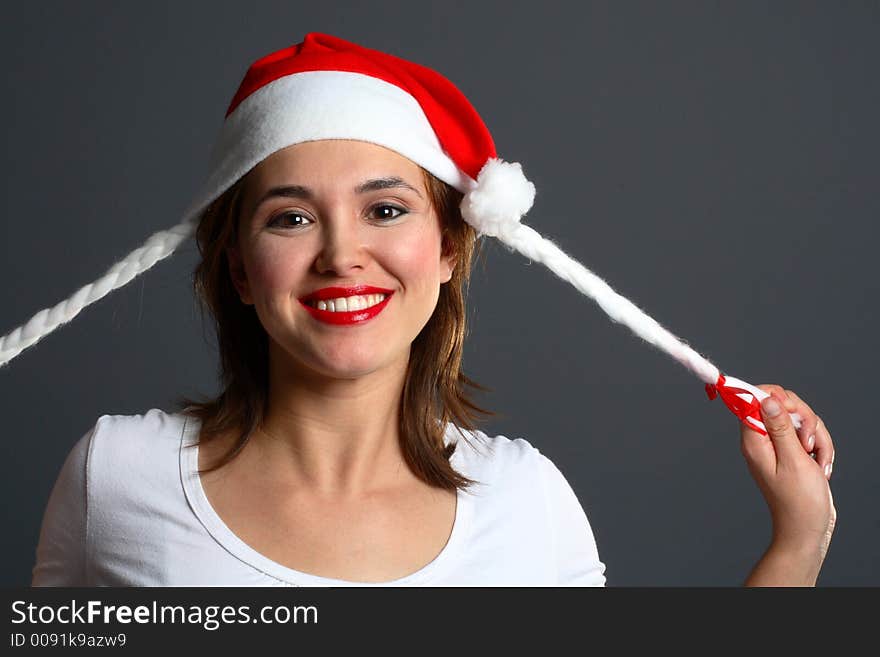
(343, 364)
(343, 359)
(350, 371)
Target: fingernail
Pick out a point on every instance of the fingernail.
(771, 407)
(811, 442)
(827, 469)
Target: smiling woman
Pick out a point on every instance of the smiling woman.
(237, 235)
(337, 230)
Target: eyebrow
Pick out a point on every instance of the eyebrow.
(300, 191)
(385, 183)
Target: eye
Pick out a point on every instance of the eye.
(294, 215)
(385, 212)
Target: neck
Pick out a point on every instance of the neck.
(336, 436)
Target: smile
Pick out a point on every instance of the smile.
(345, 304)
(347, 310)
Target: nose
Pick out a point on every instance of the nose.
(342, 248)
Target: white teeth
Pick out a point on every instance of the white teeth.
(348, 304)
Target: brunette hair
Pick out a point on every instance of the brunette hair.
(434, 390)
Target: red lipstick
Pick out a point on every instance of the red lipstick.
(352, 316)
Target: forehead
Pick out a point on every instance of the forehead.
(337, 160)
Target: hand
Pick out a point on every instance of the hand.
(793, 483)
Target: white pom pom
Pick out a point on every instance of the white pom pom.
(499, 200)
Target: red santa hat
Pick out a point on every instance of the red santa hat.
(328, 88)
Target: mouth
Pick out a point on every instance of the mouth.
(359, 305)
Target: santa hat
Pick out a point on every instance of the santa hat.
(328, 88)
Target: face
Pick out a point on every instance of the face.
(339, 213)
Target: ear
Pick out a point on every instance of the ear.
(238, 275)
(448, 258)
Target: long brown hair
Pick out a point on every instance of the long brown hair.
(434, 391)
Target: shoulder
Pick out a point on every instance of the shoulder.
(138, 433)
(503, 466)
(492, 456)
(498, 458)
(130, 450)
(119, 475)
(524, 498)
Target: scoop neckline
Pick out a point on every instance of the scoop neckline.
(222, 534)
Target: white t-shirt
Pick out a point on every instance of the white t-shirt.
(128, 509)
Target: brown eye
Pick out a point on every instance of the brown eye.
(387, 212)
(294, 216)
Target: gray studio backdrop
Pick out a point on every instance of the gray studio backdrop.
(715, 162)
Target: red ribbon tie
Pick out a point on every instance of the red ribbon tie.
(737, 405)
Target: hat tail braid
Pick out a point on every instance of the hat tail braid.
(620, 309)
(157, 247)
(494, 205)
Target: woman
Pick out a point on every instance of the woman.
(343, 449)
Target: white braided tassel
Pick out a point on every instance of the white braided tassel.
(494, 207)
(158, 246)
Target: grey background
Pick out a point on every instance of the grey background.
(716, 163)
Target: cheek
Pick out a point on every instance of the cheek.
(274, 267)
(416, 257)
